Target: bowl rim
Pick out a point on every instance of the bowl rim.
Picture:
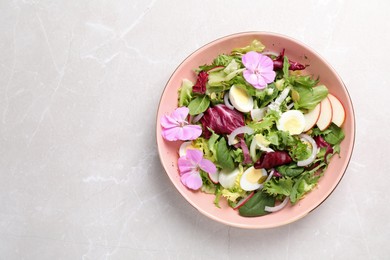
(259, 33)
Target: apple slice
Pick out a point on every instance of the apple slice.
(338, 110)
(326, 114)
(311, 118)
(244, 200)
(214, 177)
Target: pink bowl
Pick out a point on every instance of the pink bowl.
(295, 51)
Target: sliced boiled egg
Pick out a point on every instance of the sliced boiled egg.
(240, 99)
(292, 121)
(228, 178)
(184, 147)
(252, 178)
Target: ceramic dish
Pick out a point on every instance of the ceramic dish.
(296, 51)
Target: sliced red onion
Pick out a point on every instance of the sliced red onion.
(258, 113)
(270, 175)
(197, 118)
(313, 151)
(244, 200)
(290, 106)
(227, 102)
(254, 145)
(278, 207)
(282, 96)
(276, 104)
(252, 149)
(239, 130)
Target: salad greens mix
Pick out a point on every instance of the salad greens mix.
(251, 128)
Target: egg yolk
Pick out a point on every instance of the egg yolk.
(240, 95)
(292, 125)
(254, 176)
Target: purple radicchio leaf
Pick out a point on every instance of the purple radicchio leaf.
(321, 143)
(278, 63)
(221, 119)
(200, 85)
(272, 159)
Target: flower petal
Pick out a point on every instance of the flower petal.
(188, 132)
(191, 132)
(192, 180)
(180, 114)
(265, 62)
(168, 122)
(194, 155)
(207, 166)
(250, 60)
(185, 165)
(261, 81)
(171, 134)
(269, 76)
(250, 77)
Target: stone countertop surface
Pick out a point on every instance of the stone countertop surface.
(80, 83)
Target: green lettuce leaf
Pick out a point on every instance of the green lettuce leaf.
(185, 92)
(222, 60)
(217, 78)
(302, 81)
(255, 45)
(302, 186)
(308, 98)
(281, 186)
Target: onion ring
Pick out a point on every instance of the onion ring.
(239, 130)
(314, 148)
(196, 118)
(278, 207)
(227, 102)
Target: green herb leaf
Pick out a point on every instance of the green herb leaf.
(290, 170)
(224, 158)
(255, 206)
(199, 105)
(335, 134)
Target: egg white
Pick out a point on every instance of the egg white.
(240, 99)
(248, 182)
(292, 121)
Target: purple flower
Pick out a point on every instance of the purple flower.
(259, 69)
(190, 166)
(175, 127)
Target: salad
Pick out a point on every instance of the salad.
(256, 130)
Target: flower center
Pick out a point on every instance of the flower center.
(257, 71)
(183, 123)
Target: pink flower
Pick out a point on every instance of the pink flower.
(259, 69)
(175, 127)
(190, 166)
